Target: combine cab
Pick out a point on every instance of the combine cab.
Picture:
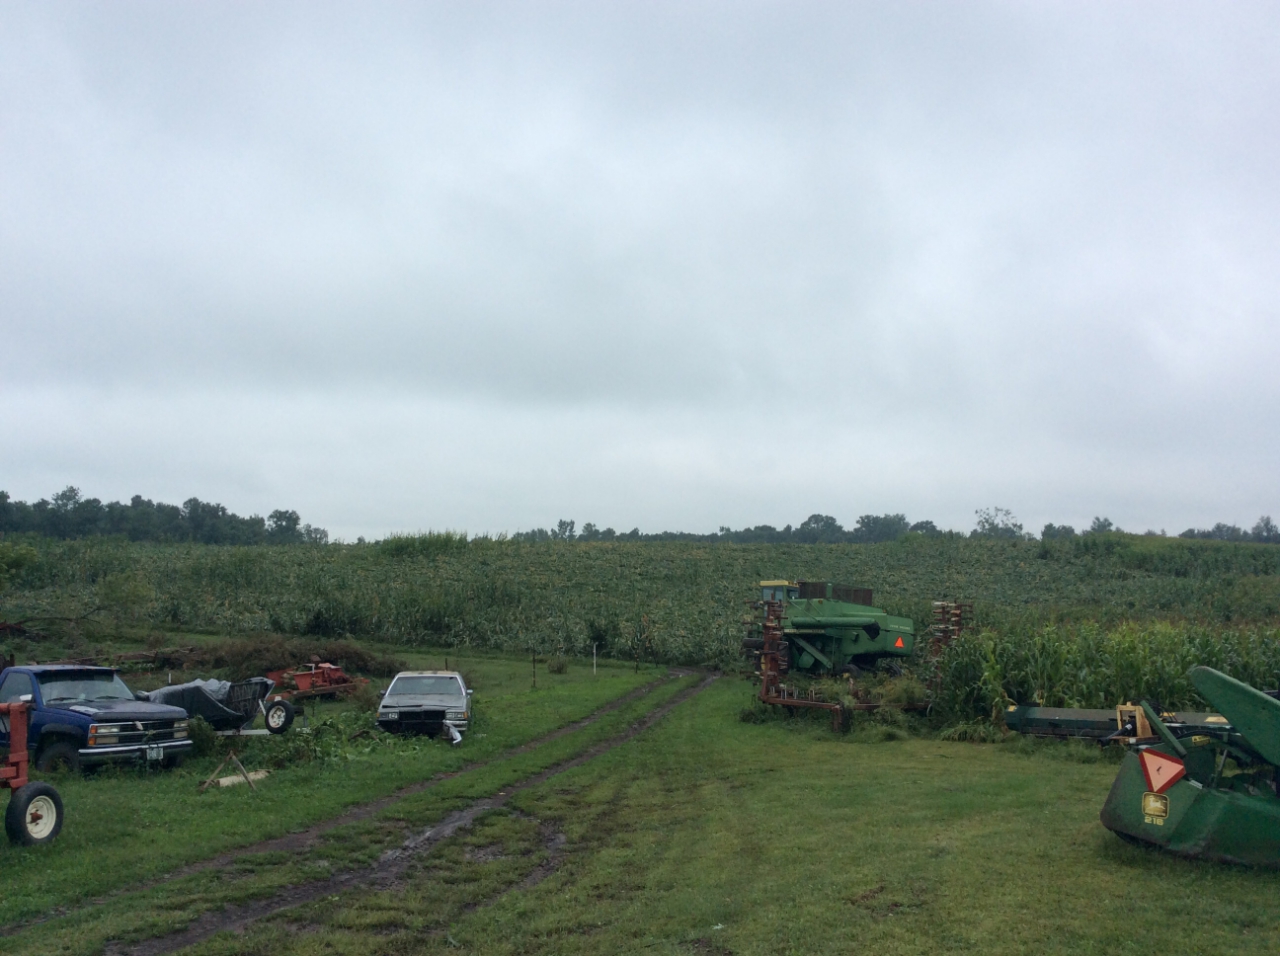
(829, 628)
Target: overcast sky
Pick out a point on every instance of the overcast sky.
(484, 266)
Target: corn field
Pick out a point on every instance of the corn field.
(1088, 622)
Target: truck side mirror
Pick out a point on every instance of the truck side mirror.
(25, 699)
(470, 692)
(141, 695)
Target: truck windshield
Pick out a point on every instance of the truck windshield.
(83, 686)
(424, 684)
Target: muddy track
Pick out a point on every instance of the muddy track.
(392, 866)
(303, 840)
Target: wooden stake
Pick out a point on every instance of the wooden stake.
(204, 786)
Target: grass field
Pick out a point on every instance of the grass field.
(702, 834)
(633, 811)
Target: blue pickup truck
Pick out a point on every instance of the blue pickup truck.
(87, 716)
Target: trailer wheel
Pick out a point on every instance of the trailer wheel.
(279, 716)
(34, 815)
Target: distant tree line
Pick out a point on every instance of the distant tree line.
(998, 523)
(1264, 531)
(68, 514)
(816, 529)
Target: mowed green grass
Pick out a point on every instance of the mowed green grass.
(707, 835)
(126, 827)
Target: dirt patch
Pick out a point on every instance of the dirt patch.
(868, 896)
(485, 854)
(709, 947)
(393, 864)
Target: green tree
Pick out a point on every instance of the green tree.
(282, 527)
(997, 523)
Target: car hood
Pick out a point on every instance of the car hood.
(443, 701)
(114, 710)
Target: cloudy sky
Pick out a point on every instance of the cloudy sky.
(668, 265)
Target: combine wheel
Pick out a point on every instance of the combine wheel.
(279, 716)
(34, 815)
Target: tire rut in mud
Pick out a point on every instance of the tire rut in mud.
(303, 840)
(393, 864)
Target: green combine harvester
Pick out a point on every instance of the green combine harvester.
(829, 628)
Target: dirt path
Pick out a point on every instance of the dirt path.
(393, 864)
(303, 840)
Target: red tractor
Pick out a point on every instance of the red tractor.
(35, 810)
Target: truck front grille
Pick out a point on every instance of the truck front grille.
(127, 733)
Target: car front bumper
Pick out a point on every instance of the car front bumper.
(407, 722)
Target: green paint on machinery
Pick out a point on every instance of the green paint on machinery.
(1206, 790)
(831, 628)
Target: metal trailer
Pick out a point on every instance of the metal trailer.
(34, 814)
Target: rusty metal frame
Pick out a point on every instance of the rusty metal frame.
(13, 772)
(773, 665)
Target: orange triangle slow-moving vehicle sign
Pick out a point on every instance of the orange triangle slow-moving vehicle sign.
(1161, 770)
(898, 643)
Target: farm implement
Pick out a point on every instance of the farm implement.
(1202, 785)
(820, 629)
(316, 679)
(824, 629)
(34, 814)
(1208, 789)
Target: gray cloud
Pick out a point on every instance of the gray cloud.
(674, 266)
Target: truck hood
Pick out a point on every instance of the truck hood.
(116, 710)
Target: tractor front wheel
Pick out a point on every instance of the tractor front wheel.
(34, 815)
(279, 716)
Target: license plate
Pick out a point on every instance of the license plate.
(155, 753)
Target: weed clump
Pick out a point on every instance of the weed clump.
(974, 731)
(204, 740)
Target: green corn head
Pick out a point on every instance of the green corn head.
(1206, 791)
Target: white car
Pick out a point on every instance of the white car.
(426, 702)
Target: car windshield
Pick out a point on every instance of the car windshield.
(83, 686)
(424, 684)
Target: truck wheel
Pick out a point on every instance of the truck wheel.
(60, 755)
(279, 716)
(172, 761)
(34, 815)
